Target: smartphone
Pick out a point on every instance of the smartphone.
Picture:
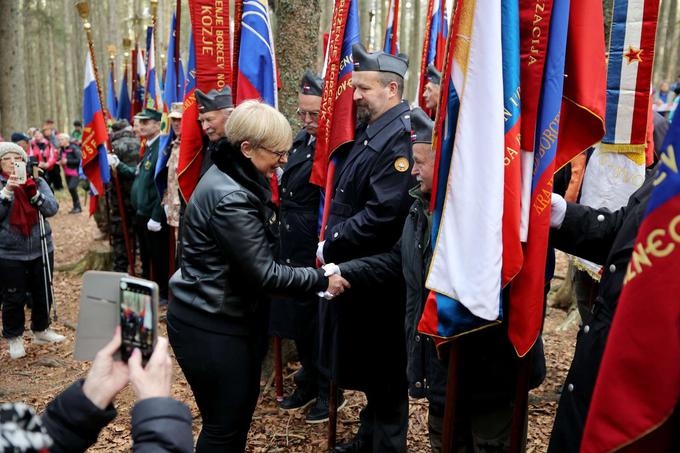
(20, 171)
(138, 315)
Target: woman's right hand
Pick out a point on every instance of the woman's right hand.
(337, 285)
(12, 183)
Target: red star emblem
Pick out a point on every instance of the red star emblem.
(633, 54)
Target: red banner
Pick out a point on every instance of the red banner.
(212, 42)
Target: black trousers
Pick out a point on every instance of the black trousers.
(384, 419)
(73, 182)
(54, 177)
(154, 251)
(223, 372)
(18, 277)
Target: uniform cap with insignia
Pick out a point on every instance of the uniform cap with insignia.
(214, 100)
(149, 114)
(176, 109)
(422, 126)
(433, 75)
(378, 61)
(311, 84)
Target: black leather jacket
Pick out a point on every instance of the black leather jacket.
(228, 267)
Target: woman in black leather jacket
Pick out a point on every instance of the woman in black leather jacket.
(217, 323)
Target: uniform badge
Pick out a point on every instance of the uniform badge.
(401, 164)
(147, 165)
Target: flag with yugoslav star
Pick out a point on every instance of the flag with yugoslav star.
(616, 168)
(391, 44)
(172, 93)
(257, 76)
(528, 286)
(95, 136)
(111, 101)
(638, 384)
(465, 272)
(124, 105)
(434, 43)
(337, 115)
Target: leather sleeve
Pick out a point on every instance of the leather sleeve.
(381, 269)
(587, 232)
(239, 232)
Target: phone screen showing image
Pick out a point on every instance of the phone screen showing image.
(137, 320)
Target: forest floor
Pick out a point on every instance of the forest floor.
(47, 370)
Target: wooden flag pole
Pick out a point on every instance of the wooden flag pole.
(451, 397)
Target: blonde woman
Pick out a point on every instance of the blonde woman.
(217, 322)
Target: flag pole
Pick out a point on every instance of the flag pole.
(451, 396)
(178, 21)
(423, 59)
(519, 410)
(395, 27)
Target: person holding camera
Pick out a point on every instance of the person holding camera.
(22, 256)
(70, 161)
(217, 322)
(73, 420)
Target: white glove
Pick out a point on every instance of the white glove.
(113, 160)
(558, 209)
(331, 269)
(319, 252)
(154, 226)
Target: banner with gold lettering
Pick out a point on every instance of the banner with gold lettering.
(638, 385)
(209, 67)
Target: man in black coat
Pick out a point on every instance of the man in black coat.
(361, 334)
(296, 317)
(487, 360)
(606, 238)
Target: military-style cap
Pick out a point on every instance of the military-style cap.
(19, 136)
(433, 75)
(378, 61)
(149, 114)
(214, 100)
(176, 109)
(311, 84)
(422, 126)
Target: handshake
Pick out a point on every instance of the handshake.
(336, 283)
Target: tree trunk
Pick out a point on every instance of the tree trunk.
(295, 49)
(661, 42)
(12, 81)
(670, 35)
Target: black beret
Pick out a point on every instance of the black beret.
(78, 123)
(19, 136)
(422, 126)
(311, 84)
(214, 100)
(433, 75)
(378, 61)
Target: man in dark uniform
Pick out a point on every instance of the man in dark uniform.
(126, 149)
(296, 317)
(361, 333)
(606, 238)
(150, 222)
(214, 108)
(432, 87)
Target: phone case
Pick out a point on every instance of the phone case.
(20, 172)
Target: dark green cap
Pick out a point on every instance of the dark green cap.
(149, 114)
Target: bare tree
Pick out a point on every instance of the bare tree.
(12, 82)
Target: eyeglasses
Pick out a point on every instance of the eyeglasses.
(279, 154)
(314, 116)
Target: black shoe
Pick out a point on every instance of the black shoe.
(75, 211)
(319, 413)
(357, 445)
(298, 400)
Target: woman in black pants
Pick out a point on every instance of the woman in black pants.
(217, 322)
(70, 160)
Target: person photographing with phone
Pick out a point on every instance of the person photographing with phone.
(23, 200)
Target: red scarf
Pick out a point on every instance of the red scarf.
(23, 215)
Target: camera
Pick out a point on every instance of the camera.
(32, 169)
